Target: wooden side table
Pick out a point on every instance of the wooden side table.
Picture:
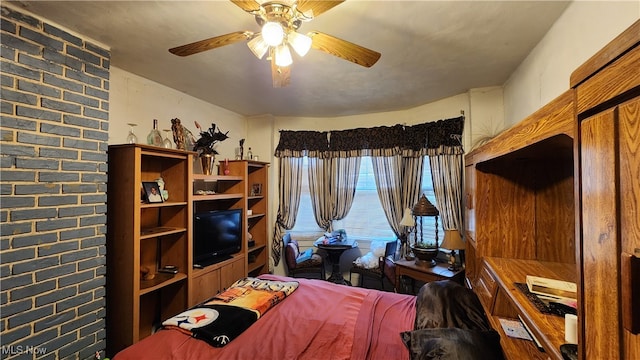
(334, 252)
(409, 269)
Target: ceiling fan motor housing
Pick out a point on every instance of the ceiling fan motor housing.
(285, 15)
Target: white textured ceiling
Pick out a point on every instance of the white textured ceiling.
(430, 50)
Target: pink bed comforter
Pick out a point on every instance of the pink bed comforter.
(320, 320)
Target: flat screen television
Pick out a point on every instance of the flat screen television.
(216, 236)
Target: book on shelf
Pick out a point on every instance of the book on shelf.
(550, 288)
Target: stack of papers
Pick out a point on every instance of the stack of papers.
(515, 329)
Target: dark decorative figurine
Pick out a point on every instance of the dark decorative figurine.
(208, 139)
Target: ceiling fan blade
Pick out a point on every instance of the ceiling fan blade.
(281, 76)
(247, 5)
(343, 49)
(211, 43)
(318, 7)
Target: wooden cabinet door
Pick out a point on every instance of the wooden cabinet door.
(600, 291)
(610, 178)
(629, 165)
(231, 272)
(205, 286)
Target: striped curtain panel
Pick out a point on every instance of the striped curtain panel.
(289, 202)
(398, 182)
(344, 178)
(319, 189)
(332, 186)
(446, 173)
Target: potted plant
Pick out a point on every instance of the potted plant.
(425, 251)
(205, 146)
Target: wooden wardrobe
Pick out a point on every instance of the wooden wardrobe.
(558, 196)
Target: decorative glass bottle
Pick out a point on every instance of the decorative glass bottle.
(249, 154)
(154, 138)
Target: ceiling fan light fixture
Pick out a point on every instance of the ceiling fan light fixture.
(258, 46)
(273, 33)
(299, 42)
(283, 56)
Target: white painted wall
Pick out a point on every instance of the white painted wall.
(138, 100)
(582, 30)
(486, 116)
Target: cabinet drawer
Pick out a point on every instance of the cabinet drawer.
(205, 286)
(486, 287)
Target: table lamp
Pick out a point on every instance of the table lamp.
(453, 242)
(409, 222)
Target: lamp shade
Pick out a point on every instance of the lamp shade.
(424, 208)
(452, 240)
(407, 218)
(300, 43)
(258, 46)
(283, 55)
(273, 33)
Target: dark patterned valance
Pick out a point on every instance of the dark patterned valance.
(431, 138)
(434, 138)
(301, 143)
(364, 141)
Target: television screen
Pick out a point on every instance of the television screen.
(217, 235)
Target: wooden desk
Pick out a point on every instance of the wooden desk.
(502, 299)
(409, 268)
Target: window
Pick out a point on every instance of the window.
(429, 222)
(366, 219)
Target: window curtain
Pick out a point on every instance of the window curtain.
(398, 158)
(332, 184)
(444, 148)
(319, 180)
(289, 202)
(446, 172)
(333, 180)
(345, 172)
(293, 146)
(391, 171)
(398, 178)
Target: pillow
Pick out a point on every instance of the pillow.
(304, 256)
(367, 261)
(378, 248)
(452, 344)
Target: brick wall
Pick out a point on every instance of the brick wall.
(53, 163)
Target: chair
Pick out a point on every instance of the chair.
(293, 264)
(385, 269)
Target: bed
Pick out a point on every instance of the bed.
(319, 320)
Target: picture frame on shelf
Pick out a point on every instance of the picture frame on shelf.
(152, 192)
(256, 189)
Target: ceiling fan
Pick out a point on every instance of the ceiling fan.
(280, 20)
